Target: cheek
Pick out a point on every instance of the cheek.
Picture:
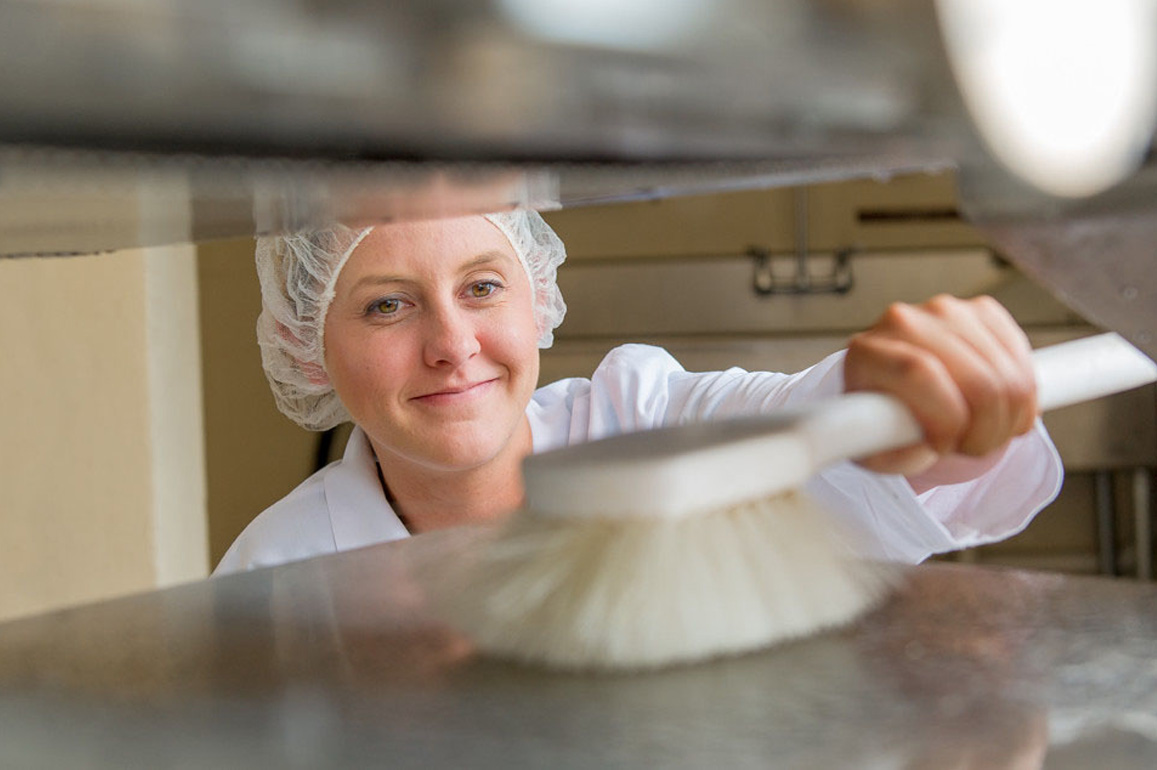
(516, 340)
(366, 366)
(511, 344)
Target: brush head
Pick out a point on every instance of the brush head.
(706, 467)
(642, 592)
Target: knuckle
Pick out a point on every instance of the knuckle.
(899, 316)
(917, 366)
(987, 303)
(984, 390)
(865, 355)
(945, 432)
(862, 345)
(1021, 391)
(944, 305)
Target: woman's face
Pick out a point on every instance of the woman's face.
(431, 342)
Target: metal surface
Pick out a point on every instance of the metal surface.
(454, 80)
(139, 122)
(1095, 255)
(142, 122)
(337, 662)
(55, 201)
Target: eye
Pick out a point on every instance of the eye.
(483, 289)
(385, 306)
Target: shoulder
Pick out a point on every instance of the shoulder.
(296, 527)
(634, 382)
(627, 391)
(622, 365)
(637, 360)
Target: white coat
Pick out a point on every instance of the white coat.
(637, 387)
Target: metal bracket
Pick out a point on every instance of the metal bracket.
(765, 282)
(802, 280)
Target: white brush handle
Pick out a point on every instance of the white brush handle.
(680, 470)
(861, 424)
(1089, 368)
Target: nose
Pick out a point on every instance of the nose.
(451, 338)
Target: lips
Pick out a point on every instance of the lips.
(455, 393)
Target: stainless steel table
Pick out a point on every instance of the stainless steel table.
(337, 662)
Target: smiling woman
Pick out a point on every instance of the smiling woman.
(426, 336)
(431, 345)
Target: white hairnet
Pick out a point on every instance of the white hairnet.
(298, 273)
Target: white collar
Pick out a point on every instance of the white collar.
(359, 513)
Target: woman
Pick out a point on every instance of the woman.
(426, 335)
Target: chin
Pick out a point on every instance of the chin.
(466, 455)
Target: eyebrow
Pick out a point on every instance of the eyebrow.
(484, 258)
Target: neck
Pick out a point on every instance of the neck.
(429, 498)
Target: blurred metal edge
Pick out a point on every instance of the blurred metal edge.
(1097, 255)
(135, 123)
(55, 201)
(454, 81)
(140, 123)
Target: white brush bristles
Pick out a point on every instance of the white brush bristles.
(633, 593)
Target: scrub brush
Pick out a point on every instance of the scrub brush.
(685, 543)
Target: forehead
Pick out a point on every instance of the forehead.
(428, 246)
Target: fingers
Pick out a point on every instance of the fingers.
(885, 363)
(963, 367)
(1021, 380)
(909, 461)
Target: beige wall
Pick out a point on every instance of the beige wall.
(99, 496)
(254, 455)
(907, 213)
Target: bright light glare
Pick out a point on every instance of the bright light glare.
(610, 23)
(1063, 91)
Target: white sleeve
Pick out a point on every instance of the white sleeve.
(638, 387)
(881, 517)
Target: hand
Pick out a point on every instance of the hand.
(964, 369)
